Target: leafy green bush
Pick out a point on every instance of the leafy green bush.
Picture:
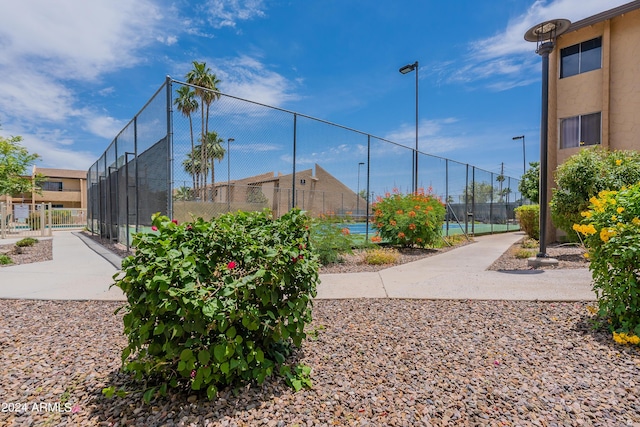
(529, 185)
(27, 241)
(410, 219)
(329, 241)
(529, 218)
(611, 230)
(4, 260)
(211, 304)
(583, 176)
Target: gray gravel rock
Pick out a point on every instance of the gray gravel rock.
(375, 363)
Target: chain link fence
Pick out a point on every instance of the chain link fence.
(196, 153)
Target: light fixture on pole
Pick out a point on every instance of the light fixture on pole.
(358, 194)
(524, 160)
(544, 34)
(229, 141)
(404, 70)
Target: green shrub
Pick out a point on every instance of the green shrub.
(27, 241)
(611, 230)
(4, 260)
(529, 218)
(217, 303)
(523, 254)
(329, 241)
(380, 256)
(410, 219)
(583, 176)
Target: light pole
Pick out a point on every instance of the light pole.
(404, 70)
(229, 141)
(358, 194)
(524, 160)
(544, 35)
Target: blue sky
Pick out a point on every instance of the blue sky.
(75, 72)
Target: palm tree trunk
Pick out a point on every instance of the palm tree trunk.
(193, 173)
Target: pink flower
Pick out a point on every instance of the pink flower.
(496, 362)
(231, 265)
(175, 221)
(75, 409)
(193, 373)
(154, 228)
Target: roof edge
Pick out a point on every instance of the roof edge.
(603, 16)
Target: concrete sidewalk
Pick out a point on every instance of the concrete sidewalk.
(81, 269)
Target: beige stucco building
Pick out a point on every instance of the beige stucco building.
(594, 88)
(63, 188)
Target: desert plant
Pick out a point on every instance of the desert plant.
(530, 243)
(329, 241)
(611, 231)
(409, 219)
(27, 241)
(583, 176)
(529, 218)
(4, 260)
(216, 303)
(379, 256)
(523, 254)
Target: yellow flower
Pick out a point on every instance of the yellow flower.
(614, 218)
(620, 209)
(586, 214)
(606, 234)
(636, 221)
(618, 162)
(586, 255)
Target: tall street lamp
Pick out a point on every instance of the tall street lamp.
(524, 160)
(229, 141)
(544, 34)
(358, 194)
(404, 70)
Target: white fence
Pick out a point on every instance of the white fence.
(26, 220)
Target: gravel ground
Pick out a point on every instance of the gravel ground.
(375, 362)
(41, 251)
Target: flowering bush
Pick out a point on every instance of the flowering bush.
(409, 219)
(585, 174)
(611, 230)
(217, 303)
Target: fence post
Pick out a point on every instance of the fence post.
(293, 183)
(3, 219)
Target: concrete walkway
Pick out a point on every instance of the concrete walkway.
(82, 270)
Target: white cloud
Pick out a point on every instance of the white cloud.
(226, 13)
(427, 131)
(104, 126)
(246, 77)
(506, 56)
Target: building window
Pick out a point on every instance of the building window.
(52, 186)
(580, 58)
(580, 130)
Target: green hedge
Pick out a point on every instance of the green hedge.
(529, 218)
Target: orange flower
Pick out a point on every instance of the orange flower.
(416, 207)
(412, 226)
(378, 212)
(393, 223)
(399, 211)
(401, 235)
(346, 231)
(412, 214)
(419, 240)
(376, 239)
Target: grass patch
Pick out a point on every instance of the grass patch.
(523, 254)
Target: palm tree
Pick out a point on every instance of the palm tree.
(205, 82)
(186, 104)
(215, 151)
(193, 166)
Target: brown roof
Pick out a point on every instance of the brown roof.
(62, 173)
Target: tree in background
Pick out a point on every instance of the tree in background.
(206, 89)
(15, 160)
(529, 185)
(187, 105)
